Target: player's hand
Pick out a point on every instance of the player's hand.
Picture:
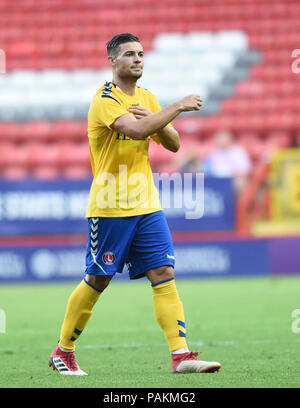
(139, 112)
(190, 103)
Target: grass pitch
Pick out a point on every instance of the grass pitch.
(246, 324)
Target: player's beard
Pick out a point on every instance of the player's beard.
(138, 75)
(132, 75)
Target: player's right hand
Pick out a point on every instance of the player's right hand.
(190, 103)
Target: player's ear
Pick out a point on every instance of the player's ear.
(111, 60)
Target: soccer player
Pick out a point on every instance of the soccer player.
(125, 218)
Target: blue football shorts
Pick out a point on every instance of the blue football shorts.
(141, 242)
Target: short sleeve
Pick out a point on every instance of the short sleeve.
(107, 110)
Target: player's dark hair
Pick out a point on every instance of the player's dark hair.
(113, 45)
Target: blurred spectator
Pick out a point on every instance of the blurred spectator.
(228, 159)
(191, 162)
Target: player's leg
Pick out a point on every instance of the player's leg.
(104, 258)
(169, 313)
(168, 308)
(78, 312)
(79, 309)
(152, 252)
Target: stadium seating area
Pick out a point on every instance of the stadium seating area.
(254, 92)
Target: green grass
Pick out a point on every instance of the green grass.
(243, 323)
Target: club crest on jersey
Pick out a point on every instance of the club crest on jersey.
(108, 258)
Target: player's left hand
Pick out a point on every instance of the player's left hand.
(139, 112)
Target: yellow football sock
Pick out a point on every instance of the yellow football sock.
(169, 313)
(79, 310)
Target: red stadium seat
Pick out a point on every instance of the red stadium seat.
(159, 155)
(189, 126)
(22, 48)
(74, 154)
(167, 167)
(76, 172)
(14, 173)
(43, 154)
(9, 131)
(279, 139)
(69, 130)
(13, 154)
(35, 130)
(253, 144)
(45, 172)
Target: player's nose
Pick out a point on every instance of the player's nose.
(137, 58)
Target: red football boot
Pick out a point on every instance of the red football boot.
(64, 362)
(188, 363)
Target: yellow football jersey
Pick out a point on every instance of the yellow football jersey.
(123, 183)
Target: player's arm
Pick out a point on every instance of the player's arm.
(139, 129)
(168, 136)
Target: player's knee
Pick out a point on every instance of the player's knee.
(99, 282)
(159, 274)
